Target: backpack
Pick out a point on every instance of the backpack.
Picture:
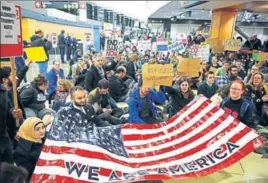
(23, 87)
(247, 103)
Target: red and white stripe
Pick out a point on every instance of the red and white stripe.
(200, 128)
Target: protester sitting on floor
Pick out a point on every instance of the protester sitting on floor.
(232, 74)
(10, 173)
(257, 91)
(180, 95)
(55, 74)
(222, 70)
(75, 121)
(236, 106)
(100, 97)
(253, 70)
(142, 107)
(33, 98)
(79, 75)
(31, 133)
(97, 72)
(61, 94)
(208, 88)
(118, 89)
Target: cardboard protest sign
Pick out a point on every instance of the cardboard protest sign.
(11, 36)
(232, 44)
(203, 52)
(263, 56)
(153, 74)
(36, 54)
(177, 46)
(144, 45)
(111, 48)
(189, 67)
(193, 50)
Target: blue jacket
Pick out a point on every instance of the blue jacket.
(52, 80)
(136, 103)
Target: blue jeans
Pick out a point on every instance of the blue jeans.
(42, 68)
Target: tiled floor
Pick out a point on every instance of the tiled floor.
(251, 169)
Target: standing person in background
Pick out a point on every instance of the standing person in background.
(74, 47)
(69, 45)
(102, 41)
(61, 45)
(55, 74)
(255, 42)
(38, 41)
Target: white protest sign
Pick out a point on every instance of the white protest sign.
(177, 46)
(203, 53)
(144, 45)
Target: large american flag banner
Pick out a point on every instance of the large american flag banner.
(201, 139)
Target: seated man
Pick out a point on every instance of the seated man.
(118, 89)
(208, 88)
(142, 109)
(100, 97)
(77, 120)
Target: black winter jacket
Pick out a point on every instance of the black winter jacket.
(117, 88)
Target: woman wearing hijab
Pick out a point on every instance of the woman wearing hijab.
(31, 134)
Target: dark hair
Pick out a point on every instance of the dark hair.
(38, 31)
(225, 62)
(103, 84)
(12, 174)
(62, 31)
(54, 61)
(231, 67)
(76, 88)
(120, 69)
(40, 80)
(182, 79)
(209, 72)
(4, 74)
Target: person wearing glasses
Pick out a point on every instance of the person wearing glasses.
(231, 75)
(236, 106)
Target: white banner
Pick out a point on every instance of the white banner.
(144, 45)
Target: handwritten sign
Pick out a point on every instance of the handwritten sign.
(111, 48)
(260, 56)
(144, 45)
(189, 67)
(232, 44)
(203, 52)
(157, 74)
(177, 46)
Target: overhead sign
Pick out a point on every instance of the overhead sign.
(232, 44)
(176, 47)
(189, 67)
(111, 48)
(11, 37)
(159, 74)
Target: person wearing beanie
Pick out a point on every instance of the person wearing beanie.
(31, 133)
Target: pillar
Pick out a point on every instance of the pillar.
(222, 27)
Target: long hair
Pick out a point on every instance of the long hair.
(250, 82)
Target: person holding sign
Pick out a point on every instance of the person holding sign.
(181, 95)
(142, 109)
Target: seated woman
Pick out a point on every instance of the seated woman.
(236, 106)
(31, 134)
(62, 92)
(33, 98)
(257, 91)
(180, 95)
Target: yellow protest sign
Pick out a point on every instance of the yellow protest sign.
(36, 54)
(263, 56)
(157, 74)
(232, 44)
(189, 67)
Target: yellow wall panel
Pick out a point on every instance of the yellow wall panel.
(30, 25)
